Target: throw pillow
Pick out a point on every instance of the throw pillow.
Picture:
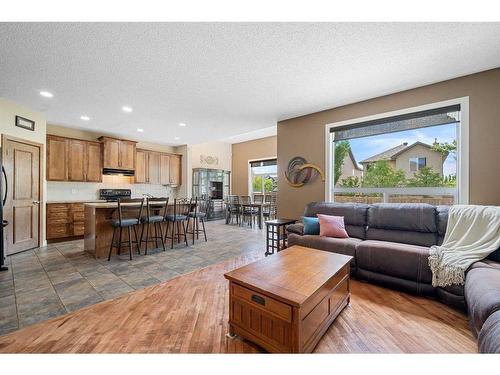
(311, 225)
(332, 226)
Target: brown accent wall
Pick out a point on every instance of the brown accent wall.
(305, 136)
(242, 153)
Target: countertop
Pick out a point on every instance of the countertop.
(114, 204)
(77, 201)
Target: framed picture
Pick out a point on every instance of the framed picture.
(25, 123)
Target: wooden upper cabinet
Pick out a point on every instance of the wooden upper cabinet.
(111, 152)
(118, 154)
(127, 155)
(141, 159)
(93, 162)
(164, 169)
(175, 170)
(154, 168)
(76, 160)
(57, 158)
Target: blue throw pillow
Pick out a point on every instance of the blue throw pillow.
(311, 225)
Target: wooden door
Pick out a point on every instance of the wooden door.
(93, 162)
(22, 208)
(175, 170)
(141, 158)
(164, 169)
(76, 160)
(127, 154)
(111, 153)
(154, 168)
(57, 157)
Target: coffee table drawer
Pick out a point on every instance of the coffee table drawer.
(263, 302)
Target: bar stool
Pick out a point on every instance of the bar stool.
(156, 211)
(126, 206)
(198, 214)
(182, 207)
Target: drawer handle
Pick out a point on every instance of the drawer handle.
(258, 299)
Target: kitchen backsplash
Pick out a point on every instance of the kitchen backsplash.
(58, 191)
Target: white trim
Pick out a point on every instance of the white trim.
(462, 146)
(249, 171)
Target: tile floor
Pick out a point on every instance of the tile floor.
(50, 281)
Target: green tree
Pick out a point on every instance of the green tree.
(341, 150)
(426, 177)
(350, 182)
(381, 174)
(446, 148)
(269, 184)
(257, 183)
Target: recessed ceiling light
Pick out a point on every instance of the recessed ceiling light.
(46, 94)
(140, 130)
(177, 138)
(85, 118)
(182, 124)
(126, 109)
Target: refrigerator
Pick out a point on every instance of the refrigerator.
(3, 198)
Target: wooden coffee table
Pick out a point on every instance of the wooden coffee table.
(287, 301)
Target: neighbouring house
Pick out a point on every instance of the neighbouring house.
(410, 158)
(350, 167)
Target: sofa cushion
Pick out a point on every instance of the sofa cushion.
(395, 259)
(346, 246)
(489, 337)
(332, 226)
(354, 215)
(295, 228)
(482, 292)
(442, 222)
(410, 223)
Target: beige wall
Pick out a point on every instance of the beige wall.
(305, 136)
(8, 112)
(434, 159)
(219, 150)
(243, 152)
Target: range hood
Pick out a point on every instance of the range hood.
(121, 172)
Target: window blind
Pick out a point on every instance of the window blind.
(423, 119)
(263, 163)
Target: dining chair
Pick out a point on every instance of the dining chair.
(271, 207)
(258, 198)
(182, 207)
(247, 212)
(198, 214)
(129, 216)
(233, 209)
(156, 212)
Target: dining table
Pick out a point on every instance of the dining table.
(260, 210)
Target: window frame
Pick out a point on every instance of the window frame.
(416, 160)
(462, 196)
(249, 166)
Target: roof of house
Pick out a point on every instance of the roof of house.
(392, 153)
(358, 166)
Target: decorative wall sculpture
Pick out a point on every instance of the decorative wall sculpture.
(299, 172)
(210, 160)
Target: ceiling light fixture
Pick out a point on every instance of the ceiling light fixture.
(126, 109)
(85, 118)
(140, 130)
(182, 124)
(46, 94)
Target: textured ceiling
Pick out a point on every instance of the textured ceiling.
(224, 80)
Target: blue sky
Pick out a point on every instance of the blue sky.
(363, 148)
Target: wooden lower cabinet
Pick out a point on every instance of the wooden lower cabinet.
(65, 220)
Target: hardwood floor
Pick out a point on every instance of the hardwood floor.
(189, 314)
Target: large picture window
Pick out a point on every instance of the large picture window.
(410, 157)
(263, 176)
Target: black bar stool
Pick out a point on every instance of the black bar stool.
(182, 207)
(198, 214)
(128, 207)
(156, 211)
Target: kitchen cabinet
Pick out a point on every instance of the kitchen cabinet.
(57, 156)
(175, 170)
(154, 168)
(65, 220)
(141, 166)
(164, 169)
(118, 153)
(71, 159)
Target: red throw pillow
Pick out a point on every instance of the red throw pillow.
(332, 226)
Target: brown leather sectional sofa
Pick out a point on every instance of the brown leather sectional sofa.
(390, 245)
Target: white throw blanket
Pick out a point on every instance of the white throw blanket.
(472, 233)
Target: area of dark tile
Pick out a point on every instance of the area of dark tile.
(52, 280)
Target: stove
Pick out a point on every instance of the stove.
(112, 195)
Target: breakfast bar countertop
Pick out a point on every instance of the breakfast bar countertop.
(112, 204)
(76, 201)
